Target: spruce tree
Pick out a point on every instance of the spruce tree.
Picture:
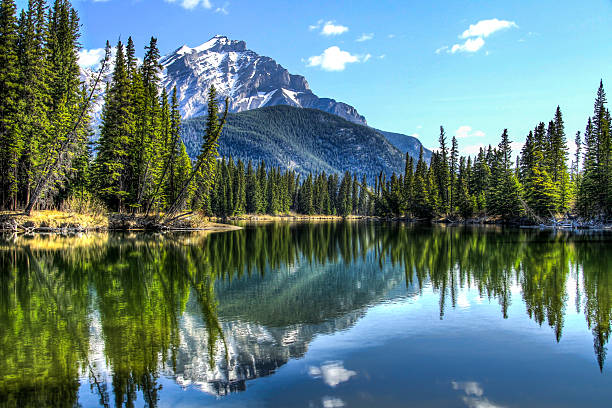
(111, 163)
(454, 157)
(10, 137)
(441, 167)
(251, 190)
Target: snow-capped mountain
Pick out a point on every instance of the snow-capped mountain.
(250, 81)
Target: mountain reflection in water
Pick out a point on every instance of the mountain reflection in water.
(119, 312)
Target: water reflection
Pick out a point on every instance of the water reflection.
(214, 311)
(473, 395)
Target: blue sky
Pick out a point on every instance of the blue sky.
(475, 67)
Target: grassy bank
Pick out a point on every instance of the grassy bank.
(52, 221)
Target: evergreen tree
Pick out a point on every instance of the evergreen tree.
(252, 190)
(10, 138)
(441, 167)
(345, 202)
(454, 157)
(110, 167)
(504, 196)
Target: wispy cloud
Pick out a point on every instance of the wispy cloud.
(328, 28)
(474, 395)
(466, 131)
(475, 34)
(365, 37)
(330, 402)
(191, 4)
(472, 150)
(223, 9)
(335, 59)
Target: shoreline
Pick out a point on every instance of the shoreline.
(59, 222)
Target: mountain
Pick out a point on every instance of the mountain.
(327, 136)
(305, 140)
(406, 144)
(250, 80)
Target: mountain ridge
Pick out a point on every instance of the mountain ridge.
(249, 80)
(301, 139)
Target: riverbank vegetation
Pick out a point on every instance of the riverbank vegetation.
(139, 165)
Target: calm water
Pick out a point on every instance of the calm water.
(308, 315)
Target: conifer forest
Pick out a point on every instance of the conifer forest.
(139, 164)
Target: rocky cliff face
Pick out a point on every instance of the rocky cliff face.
(249, 80)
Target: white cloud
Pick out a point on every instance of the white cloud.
(365, 37)
(474, 36)
(191, 4)
(391, 36)
(329, 402)
(334, 59)
(473, 397)
(485, 28)
(315, 26)
(466, 131)
(382, 56)
(223, 9)
(330, 28)
(333, 373)
(470, 45)
(444, 48)
(90, 58)
(469, 387)
(471, 150)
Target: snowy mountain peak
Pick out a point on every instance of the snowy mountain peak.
(250, 81)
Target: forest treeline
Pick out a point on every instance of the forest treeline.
(139, 163)
(541, 183)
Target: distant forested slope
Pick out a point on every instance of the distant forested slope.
(306, 140)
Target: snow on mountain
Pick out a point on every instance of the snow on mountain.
(249, 80)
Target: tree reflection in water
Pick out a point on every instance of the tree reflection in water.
(139, 290)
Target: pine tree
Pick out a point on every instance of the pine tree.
(441, 167)
(454, 157)
(504, 196)
(10, 137)
(355, 195)
(252, 190)
(262, 193)
(408, 193)
(540, 190)
(345, 202)
(33, 95)
(465, 202)
(420, 204)
(111, 163)
(588, 192)
(479, 183)
(363, 197)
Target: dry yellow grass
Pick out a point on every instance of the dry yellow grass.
(57, 219)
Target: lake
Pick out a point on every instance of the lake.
(355, 314)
